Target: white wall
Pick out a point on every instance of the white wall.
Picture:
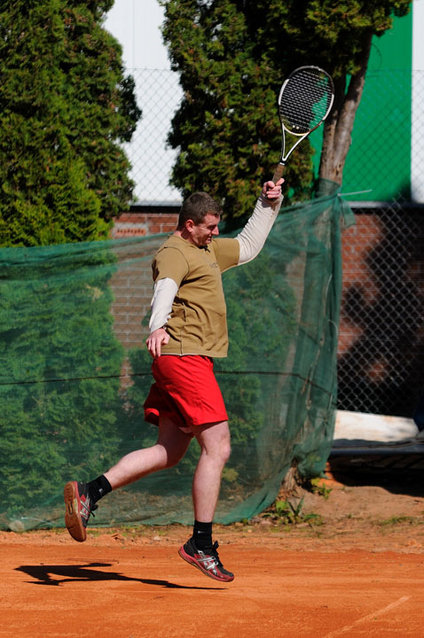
(136, 25)
(417, 142)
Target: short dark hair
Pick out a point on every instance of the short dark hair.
(196, 207)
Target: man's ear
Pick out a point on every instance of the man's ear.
(189, 225)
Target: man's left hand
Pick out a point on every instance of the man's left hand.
(156, 340)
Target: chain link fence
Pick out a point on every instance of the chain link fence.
(158, 95)
(381, 351)
(385, 161)
(381, 345)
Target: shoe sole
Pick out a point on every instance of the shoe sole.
(73, 520)
(191, 561)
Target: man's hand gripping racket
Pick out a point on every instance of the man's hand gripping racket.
(304, 102)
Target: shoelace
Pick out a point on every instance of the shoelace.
(91, 509)
(214, 553)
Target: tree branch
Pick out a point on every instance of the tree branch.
(338, 130)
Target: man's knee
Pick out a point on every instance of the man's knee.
(226, 451)
(214, 440)
(221, 451)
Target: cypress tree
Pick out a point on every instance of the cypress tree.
(60, 366)
(65, 107)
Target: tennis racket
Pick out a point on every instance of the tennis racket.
(305, 100)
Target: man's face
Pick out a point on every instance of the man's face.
(202, 234)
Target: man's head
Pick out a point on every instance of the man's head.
(198, 219)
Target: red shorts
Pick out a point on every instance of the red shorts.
(185, 391)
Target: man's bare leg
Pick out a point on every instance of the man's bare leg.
(80, 498)
(214, 441)
(171, 446)
(199, 550)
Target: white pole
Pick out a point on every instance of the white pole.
(417, 124)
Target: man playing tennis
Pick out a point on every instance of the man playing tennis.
(188, 330)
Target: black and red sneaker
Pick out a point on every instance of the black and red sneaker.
(79, 507)
(207, 561)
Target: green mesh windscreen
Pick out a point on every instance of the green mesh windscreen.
(75, 372)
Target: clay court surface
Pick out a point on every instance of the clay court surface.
(356, 570)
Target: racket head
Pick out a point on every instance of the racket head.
(305, 99)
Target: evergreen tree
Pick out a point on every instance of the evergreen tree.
(232, 56)
(60, 366)
(65, 106)
(227, 128)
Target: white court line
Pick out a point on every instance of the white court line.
(371, 616)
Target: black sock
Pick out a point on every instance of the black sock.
(202, 535)
(99, 488)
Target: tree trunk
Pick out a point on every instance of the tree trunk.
(338, 127)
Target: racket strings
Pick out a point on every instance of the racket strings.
(305, 101)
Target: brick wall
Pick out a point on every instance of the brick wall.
(139, 224)
(381, 338)
(132, 284)
(357, 242)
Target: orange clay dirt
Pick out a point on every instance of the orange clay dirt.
(352, 565)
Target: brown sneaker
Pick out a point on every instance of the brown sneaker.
(78, 509)
(207, 561)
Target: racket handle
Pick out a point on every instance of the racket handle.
(278, 173)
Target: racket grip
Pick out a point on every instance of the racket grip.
(278, 173)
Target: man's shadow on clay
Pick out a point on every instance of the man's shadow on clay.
(45, 575)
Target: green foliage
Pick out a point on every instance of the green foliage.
(324, 32)
(135, 429)
(60, 366)
(290, 512)
(318, 487)
(232, 57)
(400, 520)
(227, 127)
(256, 296)
(65, 106)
